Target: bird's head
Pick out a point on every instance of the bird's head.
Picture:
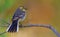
(23, 8)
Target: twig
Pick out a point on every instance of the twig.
(46, 26)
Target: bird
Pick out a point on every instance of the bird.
(19, 15)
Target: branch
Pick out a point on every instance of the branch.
(42, 25)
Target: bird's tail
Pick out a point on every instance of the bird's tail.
(13, 27)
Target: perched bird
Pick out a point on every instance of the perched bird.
(19, 15)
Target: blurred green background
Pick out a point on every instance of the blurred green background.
(8, 7)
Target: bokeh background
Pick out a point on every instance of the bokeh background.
(39, 12)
